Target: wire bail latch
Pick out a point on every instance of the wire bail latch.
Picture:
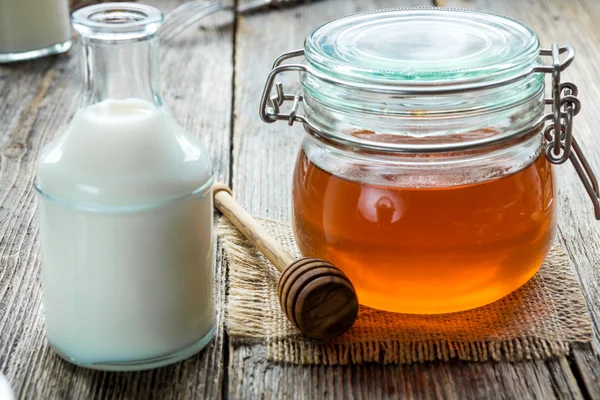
(562, 145)
(270, 105)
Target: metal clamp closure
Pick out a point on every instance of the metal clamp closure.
(270, 105)
(562, 146)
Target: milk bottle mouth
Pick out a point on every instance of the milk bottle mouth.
(117, 21)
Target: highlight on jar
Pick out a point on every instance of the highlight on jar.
(426, 173)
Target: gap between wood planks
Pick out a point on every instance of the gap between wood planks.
(226, 355)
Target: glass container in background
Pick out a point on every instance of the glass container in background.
(33, 28)
(125, 209)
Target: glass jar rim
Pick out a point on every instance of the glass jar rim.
(117, 21)
(422, 49)
(361, 90)
(340, 110)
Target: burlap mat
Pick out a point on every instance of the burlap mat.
(543, 319)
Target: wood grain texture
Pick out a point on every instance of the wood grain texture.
(263, 163)
(257, 378)
(37, 99)
(317, 298)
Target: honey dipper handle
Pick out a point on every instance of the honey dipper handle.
(251, 229)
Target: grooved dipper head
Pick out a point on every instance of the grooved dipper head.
(318, 298)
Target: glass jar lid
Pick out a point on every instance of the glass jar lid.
(422, 46)
(422, 79)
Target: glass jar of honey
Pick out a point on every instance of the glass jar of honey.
(426, 175)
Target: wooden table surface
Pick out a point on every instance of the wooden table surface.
(212, 79)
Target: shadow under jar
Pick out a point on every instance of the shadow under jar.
(427, 172)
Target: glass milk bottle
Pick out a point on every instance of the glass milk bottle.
(125, 208)
(33, 28)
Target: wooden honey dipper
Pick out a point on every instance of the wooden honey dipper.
(316, 296)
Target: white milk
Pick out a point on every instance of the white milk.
(27, 25)
(126, 247)
(6, 392)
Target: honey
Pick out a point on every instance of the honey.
(427, 250)
(426, 172)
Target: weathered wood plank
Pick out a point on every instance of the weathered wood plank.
(263, 163)
(585, 364)
(257, 378)
(36, 101)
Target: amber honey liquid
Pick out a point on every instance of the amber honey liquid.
(431, 250)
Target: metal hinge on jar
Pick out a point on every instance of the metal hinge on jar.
(270, 105)
(561, 145)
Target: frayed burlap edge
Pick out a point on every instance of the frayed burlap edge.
(394, 352)
(247, 313)
(255, 315)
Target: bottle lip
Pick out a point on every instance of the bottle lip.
(117, 21)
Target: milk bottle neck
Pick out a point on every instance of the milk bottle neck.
(120, 71)
(119, 52)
